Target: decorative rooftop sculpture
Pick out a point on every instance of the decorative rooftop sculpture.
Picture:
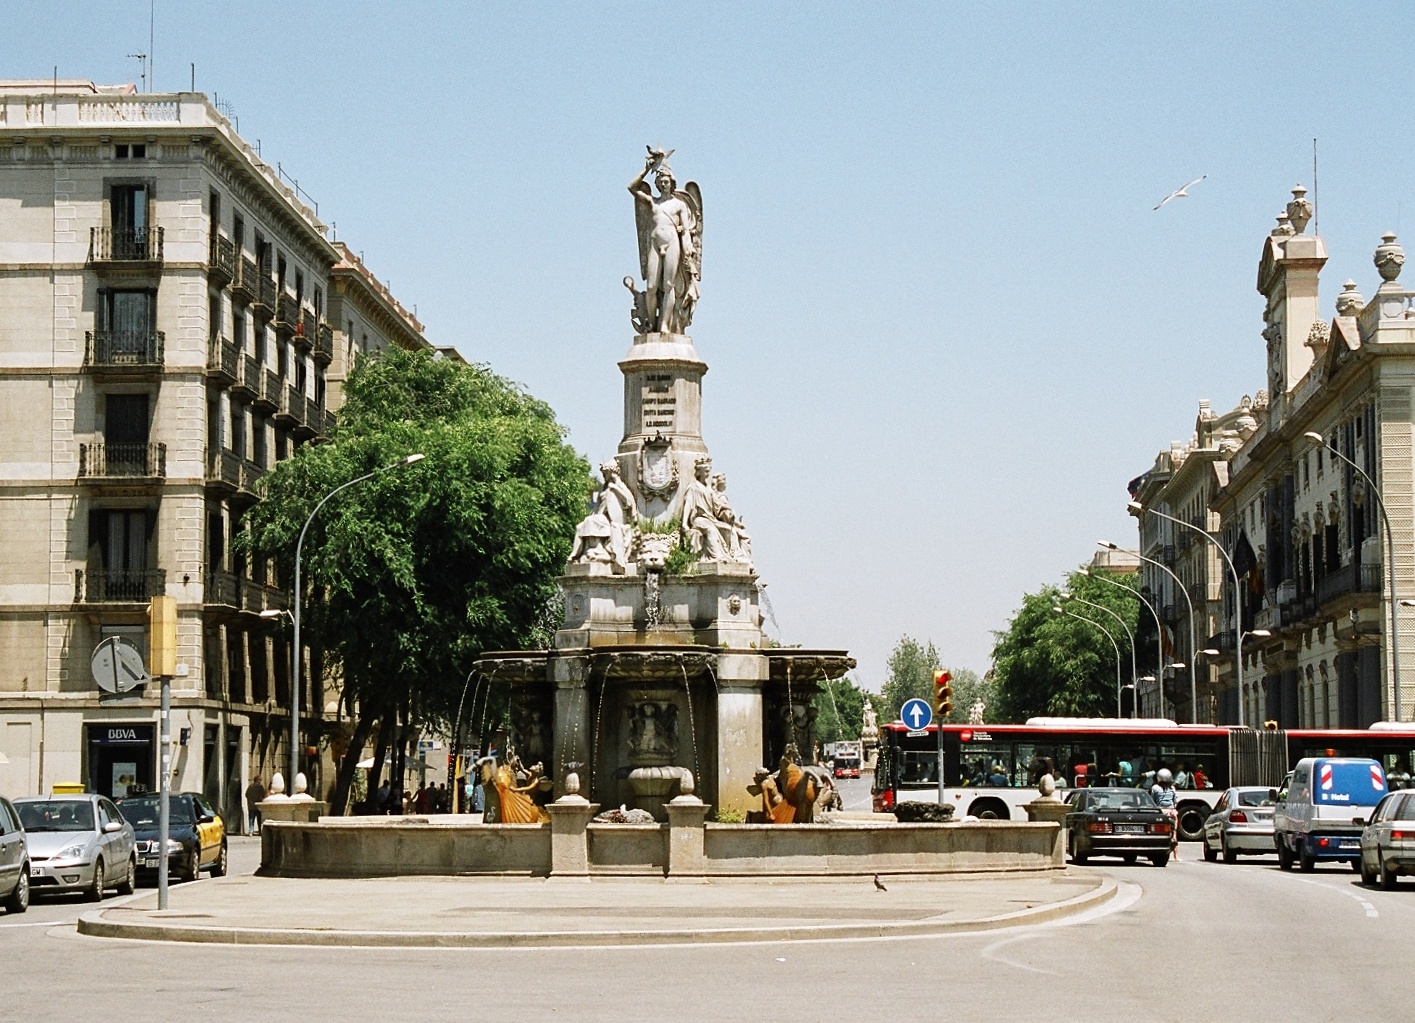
(670, 230)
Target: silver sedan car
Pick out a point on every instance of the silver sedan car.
(1388, 840)
(78, 844)
(1242, 822)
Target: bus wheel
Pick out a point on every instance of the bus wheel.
(1191, 821)
(989, 810)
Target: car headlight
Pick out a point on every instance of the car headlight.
(174, 846)
(73, 852)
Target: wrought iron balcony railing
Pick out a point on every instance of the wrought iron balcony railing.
(102, 586)
(122, 461)
(125, 245)
(124, 349)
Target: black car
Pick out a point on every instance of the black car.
(196, 835)
(1117, 822)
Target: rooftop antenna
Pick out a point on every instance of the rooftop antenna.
(194, 76)
(1316, 207)
(151, 48)
(142, 63)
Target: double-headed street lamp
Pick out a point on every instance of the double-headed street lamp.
(1321, 442)
(1058, 609)
(1159, 626)
(1193, 643)
(1140, 509)
(1128, 635)
(295, 615)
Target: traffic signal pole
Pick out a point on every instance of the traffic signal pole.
(943, 706)
(162, 663)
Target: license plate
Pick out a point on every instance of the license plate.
(36, 872)
(152, 861)
(1350, 844)
(1130, 829)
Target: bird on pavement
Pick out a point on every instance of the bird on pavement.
(1182, 192)
(880, 884)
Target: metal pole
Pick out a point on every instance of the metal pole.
(1193, 644)
(1237, 599)
(1082, 618)
(1134, 671)
(297, 660)
(164, 791)
(1159, 633)
(1390, 569)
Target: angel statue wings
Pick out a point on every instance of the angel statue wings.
(670, 229)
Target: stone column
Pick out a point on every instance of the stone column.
(739, 729)
(572, 717)
(569, 844)
(687, 817)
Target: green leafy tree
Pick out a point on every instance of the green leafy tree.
(1061, 665)
(968, 689)
(414, 572)
(840, 710)
(909, 674)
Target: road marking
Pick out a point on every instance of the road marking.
(1371, 910)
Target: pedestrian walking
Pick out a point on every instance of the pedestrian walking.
(1168, 800)
(255, 794)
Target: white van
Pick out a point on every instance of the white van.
(1316, 811)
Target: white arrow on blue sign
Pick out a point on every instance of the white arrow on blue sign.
(916, 713)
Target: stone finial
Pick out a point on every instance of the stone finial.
(1349, 302)
(1318, 337)
(1389, 257)
(1284, 226)
(1299, 210)
(277, 784)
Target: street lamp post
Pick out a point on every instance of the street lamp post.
(1081, 618)
(1321, 442)
(1134, 671)
(1139, 508)
(1159, 626)
(1193, 644)
(295, 616)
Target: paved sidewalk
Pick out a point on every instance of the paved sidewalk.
(525, 912)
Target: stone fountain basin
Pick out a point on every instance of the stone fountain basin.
(513, 665)
(658, 663)
(808, 665)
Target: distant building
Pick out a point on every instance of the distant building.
(1302, 528)
(174, 322)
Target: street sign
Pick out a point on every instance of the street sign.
(117, 666)
(916, 713)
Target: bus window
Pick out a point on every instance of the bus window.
(991, 765)
(917, 767)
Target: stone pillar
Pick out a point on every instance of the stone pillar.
(739, 741)
(687, 825)
(572, 718)
(569, 844)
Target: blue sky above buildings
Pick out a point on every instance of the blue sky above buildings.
(944, 324)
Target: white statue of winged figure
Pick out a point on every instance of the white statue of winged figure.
(670, 230)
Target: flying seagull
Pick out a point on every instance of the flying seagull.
(880, 884)
(1182, 192)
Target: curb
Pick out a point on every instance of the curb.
(95, 925)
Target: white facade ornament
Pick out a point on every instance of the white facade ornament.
(1299, 210)
(1350, 302)
(658, 469)
(1389, 257)
(1318, 337)
(606, 536)
(670, 231)
(1284, 226)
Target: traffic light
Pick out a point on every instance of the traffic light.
(943, 694)
(162, 637)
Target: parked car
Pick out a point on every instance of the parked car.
(1242, 822)
(1316, 811)
(1117, 822)
(1388, 840)
(196, 838)
(14, 861)
(78, 843)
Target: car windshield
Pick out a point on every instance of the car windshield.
(1258, 797)
(1129, 800)
(142, 811)
(56, 815)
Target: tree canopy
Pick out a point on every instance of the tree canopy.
(840, 710)
(412, 573)
(1061, 664)
(910, 674)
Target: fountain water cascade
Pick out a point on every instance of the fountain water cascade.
(661, 661)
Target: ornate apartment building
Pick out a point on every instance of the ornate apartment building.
(1278, 483)
(173, 321)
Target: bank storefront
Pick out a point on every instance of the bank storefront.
(122, 758)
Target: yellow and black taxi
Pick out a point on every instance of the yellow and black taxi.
(196, 838)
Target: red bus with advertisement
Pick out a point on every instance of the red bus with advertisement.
(991, 771)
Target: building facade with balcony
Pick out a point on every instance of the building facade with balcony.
(166, 339)
(1302, 528)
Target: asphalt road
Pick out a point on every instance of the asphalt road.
(1193, 941)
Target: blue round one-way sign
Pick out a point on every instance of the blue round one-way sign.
(916, 713)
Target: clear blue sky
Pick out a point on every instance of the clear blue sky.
(945, 326)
